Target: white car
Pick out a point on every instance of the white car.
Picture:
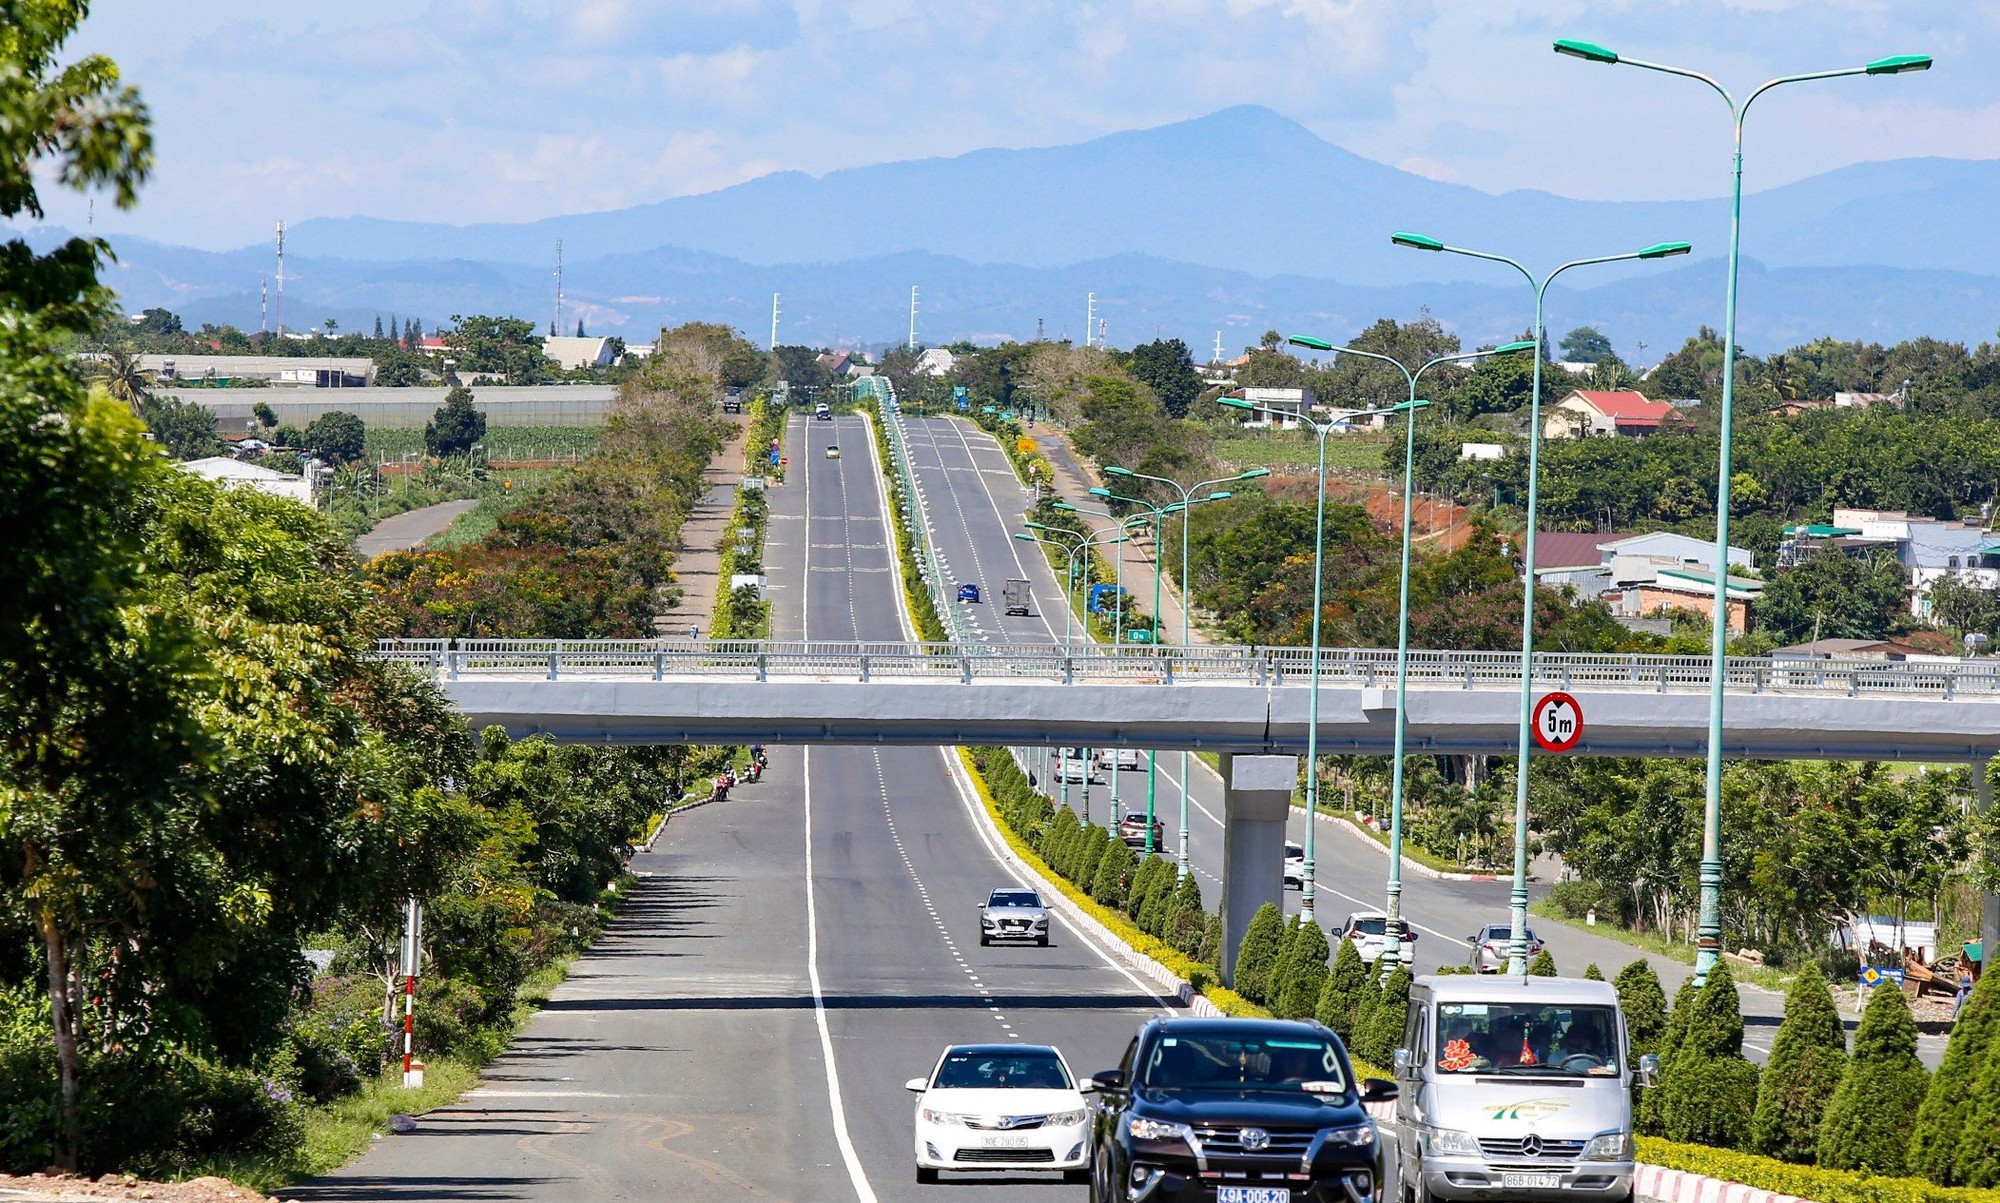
(1295, 866)
(1118, 758)
(1077, 770)
(988, 1107)
(1368, 930)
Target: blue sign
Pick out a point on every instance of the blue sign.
(1873, 976)
(1103, 597)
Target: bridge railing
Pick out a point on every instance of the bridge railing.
(1084, 663)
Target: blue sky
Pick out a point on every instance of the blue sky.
(498, 110)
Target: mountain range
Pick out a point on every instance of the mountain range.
(1235, 222)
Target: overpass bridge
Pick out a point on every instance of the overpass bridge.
(1245, 700)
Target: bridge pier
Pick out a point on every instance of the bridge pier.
(1257, 802)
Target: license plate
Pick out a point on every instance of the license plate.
(1532, 1181)
(1253, 1194)
(1007, 1142)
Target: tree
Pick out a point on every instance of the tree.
(1338, 998)
(579, 329)
(1377, 1039)
(1672, 1038)
(1543, 965)
(1186, 920)
(185, 429)
(504, 345)
(1951, 1100)
(1114, 869)
(265, 415)
(1804, 1070)
(1303, 977)
(1708, 1092)
(338, 436)
(1258, 953)
(1591, 973)
(1166, 367)
(1586, 344)
(378, 327)
(1834, 596)
(1867, 1123)
(456, 426)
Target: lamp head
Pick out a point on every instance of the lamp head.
(1416, 242)
(1035, 526)
(1526, 344)
(1253, 474)
(1219, 495)
(1310, 343)
(1100, 491)
(1063, 505)
(1896, 64)
(1026, 536)
(1589, 52)
(1664, 250)
(1237, 402)
(1115, 470)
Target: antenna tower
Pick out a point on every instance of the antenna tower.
(558, 326)
(1218, 347)
(774, 321)
(1089, 317)
(263, 304)
(913, 317)
(281, 279)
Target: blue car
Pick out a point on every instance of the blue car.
(968, 592)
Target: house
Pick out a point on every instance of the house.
(433, 345)
(1928, 549)
(1276, 407)
(835, 362)
(1685, 589)
(1792, 409)
(1866, 400)
(1617, 412)
(303, 371)
(579, 353)
(1482, 451)
(934, 362)
(1848, 649)
(1612, 566)
(235, 474)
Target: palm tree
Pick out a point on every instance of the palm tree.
(119, 371)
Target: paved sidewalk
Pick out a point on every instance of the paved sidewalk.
(697, 567)
(1075, 476)
(406, 530)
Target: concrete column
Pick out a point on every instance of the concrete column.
(1256, 801)
(1989, 920)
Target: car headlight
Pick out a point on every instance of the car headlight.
(1043, 921)
(1064, 1119)
(1612, 1146)
(942, 1117)
(1453, 1144)
(1363, 1135)
(1158, 1130)
(988, 921)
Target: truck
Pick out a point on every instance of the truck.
(1019, 596)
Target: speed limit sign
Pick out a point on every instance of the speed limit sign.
(1558, 721)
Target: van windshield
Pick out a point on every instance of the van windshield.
(1527, 1039)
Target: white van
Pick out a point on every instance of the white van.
(1515, 1088)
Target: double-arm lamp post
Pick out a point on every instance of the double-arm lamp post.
(1709, 925)
(1188, 499)
(1517, 948)
(1392, 934)
(1322, 429)
(1073, 546)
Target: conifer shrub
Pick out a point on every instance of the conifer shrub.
(1804, 1070)
(1114, 870)
(1948, 1104)
(1591, 973)
(1542, 964)
(1258, 953)
(1304, 974)
(1186, 921)
(1380, 1032)
(1866, 1125)
(1708, 1092)
(1342, 991)
(1644, 1004)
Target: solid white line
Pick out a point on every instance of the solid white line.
(862, 1191)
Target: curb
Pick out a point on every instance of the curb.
(1409, 866)
(1679, 1186)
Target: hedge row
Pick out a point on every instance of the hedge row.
(1806, 1182)
(930, 627)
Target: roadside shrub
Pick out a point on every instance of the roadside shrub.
(1803, 1182)
(1342, 991)
(1949, 1103)
(1089, 851)
(1058, 829)
(1380, 1033)
(1114, 868)
(1543, 964)
(1672, 1037)
(1258, 953)
(1186, 921)
(1304, 973)
(1153, 872)
(1803, 1072)
(1644, 1004)
(339, 1038)
(1591, 973)
(1708, 1093)
(1866, 1124)
(1979, 1148)
(1576, 899)
(1211, 939)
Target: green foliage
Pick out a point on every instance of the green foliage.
(1585, 344)
(1543, 964)
(1114, 869)
(185, 429)
(1951, 1101)
(337, 436)
(1186, 922)
(1342, 991)
(456, 427)
(1804, 1069)
(1591, 973)
(1303, 974)
(1378, 1030)
(1257, 955)
(1167, 367)
(504, 345)
(1802, 1182)
(1834, 597)
(1867, 1123)
(1651, 1119)
(1978, 1162)
(1708, 1092)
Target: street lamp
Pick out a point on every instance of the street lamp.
(1073, 547)
(1517, 948)
(1709, 925)
(1322, 429)
(1392, 935)
(1188, 499)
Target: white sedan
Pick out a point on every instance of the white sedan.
(990, 1107)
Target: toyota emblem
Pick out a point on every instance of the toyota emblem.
(1255, 1140)
(1531, 1145)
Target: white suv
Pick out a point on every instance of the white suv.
(1368, 930)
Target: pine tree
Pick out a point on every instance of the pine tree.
(1979, 1148)
(1803, 1072)
(1258, 952)
(1211, 940)
(1186, 920)
(1671, 1038)
(1053, 836)
(1114, 868)
(378, 327)
(1543, 964)
(1591, 973)
(1342, 992)
(1382, 1035)
(1083, 866)
(1645, 1006)
(1708, 1092)
(1145, 885)
(1159, 905)
(1281, 963)
(1305, 973)
(1949, 1103)
(579, 329)
(1866, 1125)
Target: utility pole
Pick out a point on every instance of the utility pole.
(263, 304)
(1089, 316)
(557, 326)
(281, 279)
(1218, 347)
(913, 317)
(774, 321)
(412, 960)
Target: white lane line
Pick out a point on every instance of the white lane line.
(855, 1174)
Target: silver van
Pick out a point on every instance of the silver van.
(1515, 1088)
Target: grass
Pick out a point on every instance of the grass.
(1761, 975)
(1351, 452)
(500, 443)
(476, 523)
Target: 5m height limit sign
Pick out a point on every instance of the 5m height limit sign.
(1558, 722)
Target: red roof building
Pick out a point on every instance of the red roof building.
(1617, 412)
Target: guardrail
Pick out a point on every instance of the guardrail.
(1276, 667)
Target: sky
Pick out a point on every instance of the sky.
(501, 110)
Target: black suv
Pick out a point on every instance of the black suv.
(1235, 1111)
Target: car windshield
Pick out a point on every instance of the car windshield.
(1372, 926)
(1527, 1038)
(1014, 898)
(1294, 852)
(1208, 1062)
(1138, 820)
(1023, 1069)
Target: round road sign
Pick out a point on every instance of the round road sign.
(1558, 722)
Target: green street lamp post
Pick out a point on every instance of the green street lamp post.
(1517, 948)
(1392, 934)
(1118, 619)
(1307, 884)
(1708, 929)
(1187, 502)
(1073, 548)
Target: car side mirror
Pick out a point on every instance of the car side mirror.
(1086, 1085)
(1108, 1079)
(1649, 1070)
(1379, 1090)
(1404, 1063)
(917, 1085)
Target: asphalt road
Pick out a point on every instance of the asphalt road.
(974, 504)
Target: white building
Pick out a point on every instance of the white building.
(575, 353)
(935, 361)
(235, 474)
(1276, 407)
(303, 371)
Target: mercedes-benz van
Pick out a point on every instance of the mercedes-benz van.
(1515, 1088)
